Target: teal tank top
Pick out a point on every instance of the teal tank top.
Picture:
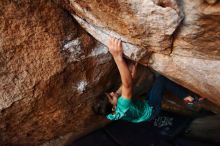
(132, 110)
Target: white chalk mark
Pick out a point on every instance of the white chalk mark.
(81, 86)
(102, 35)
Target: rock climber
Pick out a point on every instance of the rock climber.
(123, 106)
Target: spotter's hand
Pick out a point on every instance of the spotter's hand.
(115, 47)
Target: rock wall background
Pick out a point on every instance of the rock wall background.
(52, 71)
(194, 61)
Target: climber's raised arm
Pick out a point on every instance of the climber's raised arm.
(115, 48)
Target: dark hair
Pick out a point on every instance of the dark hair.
(102, 106)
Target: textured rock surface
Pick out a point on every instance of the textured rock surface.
(148, 23)
(199, 75)
(195, 59)
(185, 51)
(199, 33)
(50, 73)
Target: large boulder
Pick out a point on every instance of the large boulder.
(139, 24)
(51, 72)
(181, 38)
(195, 58)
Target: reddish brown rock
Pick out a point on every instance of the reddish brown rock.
(51, 72)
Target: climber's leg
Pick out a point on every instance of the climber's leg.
(176, 89)
(155, 95)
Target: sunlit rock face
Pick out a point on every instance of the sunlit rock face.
(51, 71)
(140, 24)
(183, 36)
(195, 59)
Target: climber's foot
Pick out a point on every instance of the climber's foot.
(192, 101)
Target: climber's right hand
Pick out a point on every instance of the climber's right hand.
(115, 48)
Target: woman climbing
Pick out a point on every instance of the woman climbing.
(127, 108)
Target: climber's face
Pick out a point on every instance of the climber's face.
(113, 99)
